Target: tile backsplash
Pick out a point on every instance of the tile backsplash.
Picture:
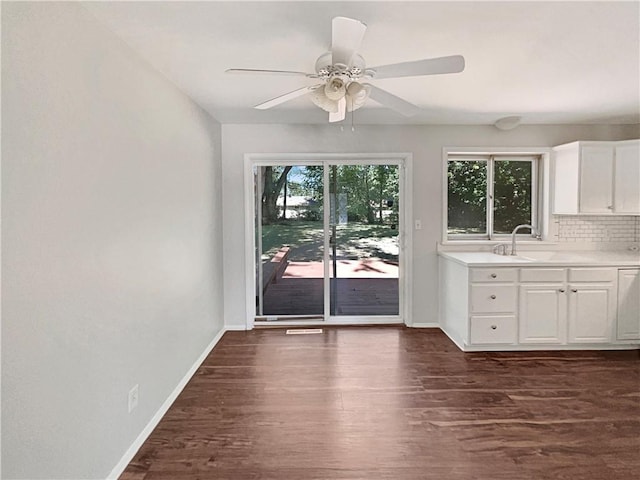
(600, 228)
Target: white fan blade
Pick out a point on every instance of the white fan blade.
(270, 72)
(284, 98)
(389, 100)
(346, 37)
(428, 66)
(340, 114)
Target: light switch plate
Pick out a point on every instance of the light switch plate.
(133, 398)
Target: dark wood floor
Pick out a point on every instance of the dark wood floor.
(373, 403)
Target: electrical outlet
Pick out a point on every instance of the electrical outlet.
(418, 224)
(133, 398)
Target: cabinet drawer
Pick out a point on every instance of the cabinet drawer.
(542, 274)
(493, 298)
(493, 329)
(493, 274)
(592, 274)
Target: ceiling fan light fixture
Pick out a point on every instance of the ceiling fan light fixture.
(354, 89)
(357, 95)
(320, 99)
(335, 89)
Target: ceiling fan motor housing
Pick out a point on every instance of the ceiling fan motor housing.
(326, 69)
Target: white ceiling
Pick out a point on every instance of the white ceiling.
(549, 62)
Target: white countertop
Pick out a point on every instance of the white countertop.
(583, 258)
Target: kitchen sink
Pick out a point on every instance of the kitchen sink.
(550, 256)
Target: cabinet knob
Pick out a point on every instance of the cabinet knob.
(493, 327)
(493, 275)
(561, 290)
(574, 290)
(493, 297)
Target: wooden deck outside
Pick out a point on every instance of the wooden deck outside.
(362, 288)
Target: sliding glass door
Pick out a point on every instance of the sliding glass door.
(326, 240)
(364, 254)
(289, 241)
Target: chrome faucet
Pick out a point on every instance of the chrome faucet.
(513, 236)
(500, 249)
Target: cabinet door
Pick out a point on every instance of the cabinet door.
(596, 179)
(566, 178)
(628, 323)
(590, 313)
(542, 313)
(626, 186)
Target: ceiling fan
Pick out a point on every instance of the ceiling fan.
(342, 70)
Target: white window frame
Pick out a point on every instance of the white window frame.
(540, 202)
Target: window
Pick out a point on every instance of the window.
(489, 195)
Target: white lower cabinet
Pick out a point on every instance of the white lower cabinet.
(542, 313)
(567, 312)
(628, 320)
(496, 329)
(512, 308)
(493, 298)
(591, 312)
(492, 306)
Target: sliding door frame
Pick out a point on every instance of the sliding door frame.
(404, 162)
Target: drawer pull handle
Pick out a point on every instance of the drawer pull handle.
(493, 275)
(493, 327)
(574, 290)
(493, 297)
(561, 290)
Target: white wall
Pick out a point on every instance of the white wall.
(425, 142)
(111, 211)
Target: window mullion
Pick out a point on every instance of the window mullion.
(490, 196)
(535, 195)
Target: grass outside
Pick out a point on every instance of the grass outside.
(355, 240)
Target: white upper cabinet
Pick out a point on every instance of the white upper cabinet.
(627, 177)
(597, 178)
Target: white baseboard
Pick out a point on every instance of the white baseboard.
(425, 325)
(454, 338)
(153, 423)
(235, 328)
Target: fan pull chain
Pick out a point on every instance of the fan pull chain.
(353, 113)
